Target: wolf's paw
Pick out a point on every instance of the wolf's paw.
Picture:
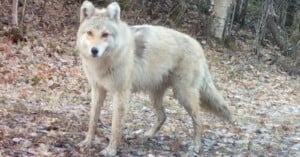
(109, 151)
(86, 143)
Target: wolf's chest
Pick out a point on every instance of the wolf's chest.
(98, 74)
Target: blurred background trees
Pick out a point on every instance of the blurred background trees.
(265, 22)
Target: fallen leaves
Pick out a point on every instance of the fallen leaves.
(44, 105)
(5, 45)
(44, 98)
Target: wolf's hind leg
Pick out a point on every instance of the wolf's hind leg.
(156, 101)
(189, 98)
(98, 96)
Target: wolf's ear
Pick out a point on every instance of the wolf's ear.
(114, 11)
(87, 10)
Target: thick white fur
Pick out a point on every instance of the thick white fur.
(114, 11)
(143, 58)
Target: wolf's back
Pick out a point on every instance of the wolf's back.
(163, 50)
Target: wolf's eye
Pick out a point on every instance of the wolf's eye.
(90, 33)
(104, 35)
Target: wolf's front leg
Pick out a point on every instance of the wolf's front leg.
(98, 95)
(119, 108)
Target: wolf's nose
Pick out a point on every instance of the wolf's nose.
(94, 51)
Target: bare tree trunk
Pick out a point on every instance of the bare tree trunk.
(241, 10)
(23, 12)
(221, 13)
(277, 32)
(260, 28)
(15, 13)
(296, 22)
(283, 13)
(232, 17)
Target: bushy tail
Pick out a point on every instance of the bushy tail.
(212, 100)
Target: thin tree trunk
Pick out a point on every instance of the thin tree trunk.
(283, 13)
(221, 13)
(232, 17)
(277, 32)
(296, 22)
(15, 13)
(23, 12)
(260, 28)
(241, 10)
(243, 13)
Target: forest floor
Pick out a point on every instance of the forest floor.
(44, 105)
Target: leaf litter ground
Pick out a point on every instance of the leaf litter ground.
(45, 104)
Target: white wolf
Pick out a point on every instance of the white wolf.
(119, 59)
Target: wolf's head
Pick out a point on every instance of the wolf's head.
(99, 29)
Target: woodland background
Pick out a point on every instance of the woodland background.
(252, 46)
